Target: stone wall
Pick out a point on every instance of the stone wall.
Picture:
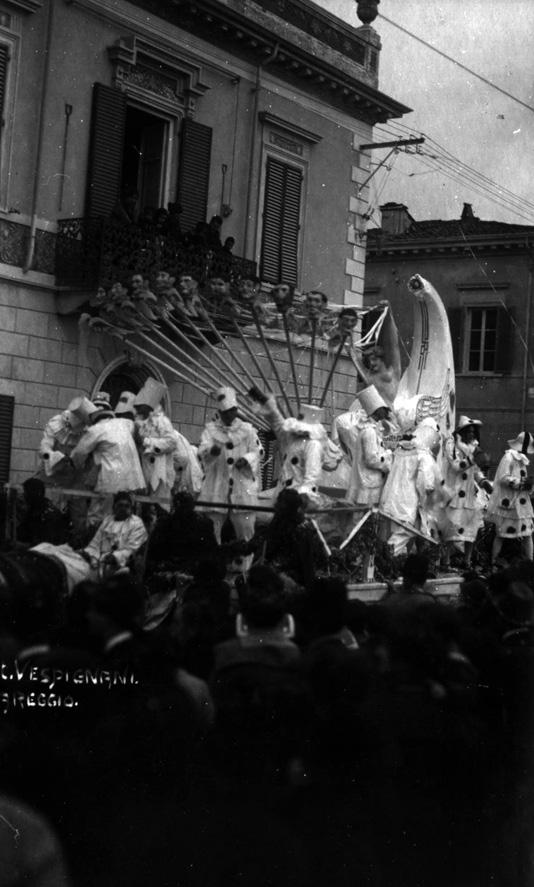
(43, 366)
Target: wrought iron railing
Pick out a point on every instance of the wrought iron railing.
(100, 252)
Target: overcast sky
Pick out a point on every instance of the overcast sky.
(475, 122)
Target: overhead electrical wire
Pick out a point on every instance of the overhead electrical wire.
(440, 148)
(457, 63)
(444, 161)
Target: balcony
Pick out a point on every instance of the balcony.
(99, 252)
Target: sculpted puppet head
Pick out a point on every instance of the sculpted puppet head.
(347, 320)
(164, 281)
(187, 286)
(248, 289)
(137, 283)
(316, 303)
(219, 288)
(283, 295)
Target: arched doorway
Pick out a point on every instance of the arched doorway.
(123, 376)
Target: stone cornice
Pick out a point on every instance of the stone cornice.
(382, 251)
(252, 32)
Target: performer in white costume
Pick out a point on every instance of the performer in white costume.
(304, 447)
(509, 507)
(188, 470)
(464, 511)
(60, 436)
(112, 446)
(230, 452)
(117, 539)
(412, 483)
(371, 461)
(157, 441)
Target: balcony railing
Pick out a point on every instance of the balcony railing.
(100, 252)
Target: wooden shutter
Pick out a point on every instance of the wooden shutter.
(7, 405)
(281, 223)
(106, 149)
(456, 325)
(4, 59)
(194, 173)
(505, 338)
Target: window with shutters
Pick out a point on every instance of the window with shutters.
(9, 50)
(7, 406)
(482, 336)
(134, 160)
(280, 239)
(194, 173)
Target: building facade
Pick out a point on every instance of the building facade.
(252, 111)
(483, 273)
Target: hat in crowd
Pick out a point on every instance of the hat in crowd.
(311, 414)
(80, 410)
(151, 394)
(371, 400)
(524, 443)
(226, 399)
(125, 403)
(102, 400)
(99, 414)
(465, 422)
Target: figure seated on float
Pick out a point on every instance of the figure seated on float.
(112, 549)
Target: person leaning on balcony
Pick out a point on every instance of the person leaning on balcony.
(157, 441)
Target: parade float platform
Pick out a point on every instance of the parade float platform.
(445, 588)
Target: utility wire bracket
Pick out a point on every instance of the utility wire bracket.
(395, 146)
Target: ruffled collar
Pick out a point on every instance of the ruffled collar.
(519, 457)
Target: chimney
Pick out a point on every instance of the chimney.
(467, 212)
(395, 219)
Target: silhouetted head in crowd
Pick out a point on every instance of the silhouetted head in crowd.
(290, 506)
(263, 599)
(183, 504)
(116, 605)
(326, 605)
(229, 244)
(516, 604)
(415, 571)
(424, 636)
(34, 492)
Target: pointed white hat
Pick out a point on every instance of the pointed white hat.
(371, 400)
(80, 409)
(524, 443)
(311, 414)
(151, 394)
(466, 422)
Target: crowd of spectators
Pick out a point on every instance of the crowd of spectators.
(268, 732)
(165, 221)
